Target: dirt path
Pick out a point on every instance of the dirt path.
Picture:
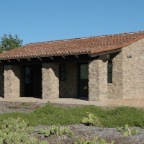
(72, 101)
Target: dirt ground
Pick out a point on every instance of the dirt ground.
(83, 132)
(73, 101)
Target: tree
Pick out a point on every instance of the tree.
(8, 42)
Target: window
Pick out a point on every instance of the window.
(84, 71)
(62, 72)
(27, 75)
(109, 71)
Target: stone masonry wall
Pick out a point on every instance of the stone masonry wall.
(97, 80)
(1, 81)
(11, 81)
(133, 70)
(115, 89)
(50, 81)
(68, 88)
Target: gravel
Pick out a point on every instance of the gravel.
(8, 107)
(81, 131)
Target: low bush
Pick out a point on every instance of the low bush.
(58, 115)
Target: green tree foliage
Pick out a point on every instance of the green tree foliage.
(8, 42)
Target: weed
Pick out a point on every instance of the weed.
(56, 130)
(96, 140)
(91, 120)
(127, 131)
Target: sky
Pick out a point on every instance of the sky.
(46, 20)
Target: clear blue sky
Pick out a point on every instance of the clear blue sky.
(44, 20)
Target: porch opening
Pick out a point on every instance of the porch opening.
(83, 80)
(31, 81)
(73, 80)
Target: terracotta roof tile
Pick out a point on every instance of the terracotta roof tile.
(77, 46)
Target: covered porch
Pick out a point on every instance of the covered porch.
(49, 80)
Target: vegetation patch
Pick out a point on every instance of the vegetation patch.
(58, 115)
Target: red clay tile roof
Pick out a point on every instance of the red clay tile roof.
(77, 46)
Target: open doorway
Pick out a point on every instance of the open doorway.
(32, 83)
(83, 80)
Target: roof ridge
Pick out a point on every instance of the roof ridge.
(52, 41)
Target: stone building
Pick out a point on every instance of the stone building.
(95, 68)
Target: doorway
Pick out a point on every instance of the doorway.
(83, 80)
(32, 81)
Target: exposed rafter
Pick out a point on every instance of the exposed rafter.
(18, 60)
(40, 58)
(63, 57)
(9, 60)
(28, 59)
(51, 58)
(76, 56)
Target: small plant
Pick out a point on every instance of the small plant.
(96, 140)
(44, 142)
(17, 131)
(91, 120)
(55, 130)
(127, 131)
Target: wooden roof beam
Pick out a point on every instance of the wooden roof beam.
(9, 60)
(76, 56)
(63, 57)
(51, 58)
(40, 58)
(18, 60)
(28, 59)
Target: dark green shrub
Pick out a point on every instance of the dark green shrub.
(57, 115)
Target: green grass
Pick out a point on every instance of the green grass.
(54, 115)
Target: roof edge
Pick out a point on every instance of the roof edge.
(105, 35)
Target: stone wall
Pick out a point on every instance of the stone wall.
(1, 81)
(97, 80)
(11, 81)
(133, 70)
(69, 87)
(115, 89)
(50, 81)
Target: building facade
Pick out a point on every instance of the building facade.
(95, 68)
